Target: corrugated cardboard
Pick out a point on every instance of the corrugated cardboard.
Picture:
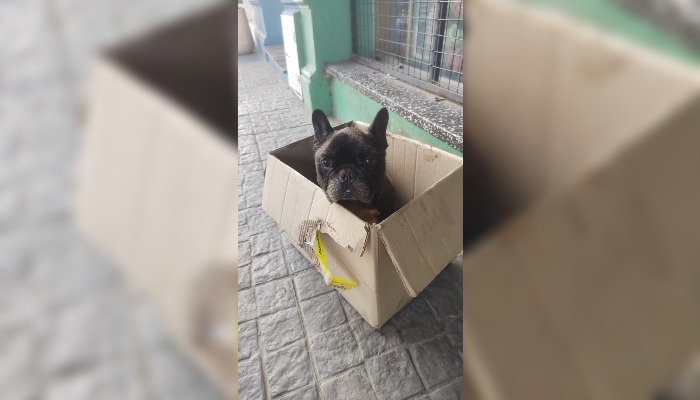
(593, 290)
(392, 261)
(157, 178)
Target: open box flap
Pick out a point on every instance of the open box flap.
(422, 237)
(301, 207)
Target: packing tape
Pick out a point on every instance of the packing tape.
(331, 280)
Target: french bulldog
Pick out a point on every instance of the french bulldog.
(351, 166)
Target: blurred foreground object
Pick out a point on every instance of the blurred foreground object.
(591, 290)
(246, 44)
(680, 17)
(157, 178)
(685, 385)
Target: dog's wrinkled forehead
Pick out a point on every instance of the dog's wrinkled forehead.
(349, 140)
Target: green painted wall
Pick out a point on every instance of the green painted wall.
(325, 36)
(611, 17)
(351, 105)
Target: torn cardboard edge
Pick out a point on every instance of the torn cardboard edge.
(308, 229)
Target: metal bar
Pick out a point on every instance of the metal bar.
(439, 41)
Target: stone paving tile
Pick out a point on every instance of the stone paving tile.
(291, 135)
(280, 328)
(394, 376)
(266, 145)
(335, 351)
(454, 328)
(274, 296)
(436, 361)
(454, 272)
(243, 239)
(280, 120)
(246, 305)
(416, 321)
(247, 155)
(247, 339)
(350, 312)
(253, 196)
(310, 283)
(373, 341)
(244, 277)
(264, 242)
(296, 261)
(253, 173)
(322, 313)
(267, 267)
(305, 393)
(349, 386)
(259, 221)
(250, 379)
(444, 297)
(289, 368)
(453, 391)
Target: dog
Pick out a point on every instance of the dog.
(351, 166)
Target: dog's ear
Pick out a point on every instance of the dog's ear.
(378, 128)
(322, 128)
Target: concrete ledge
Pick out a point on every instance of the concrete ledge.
(432, 113)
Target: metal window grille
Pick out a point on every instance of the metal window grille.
(420, 42)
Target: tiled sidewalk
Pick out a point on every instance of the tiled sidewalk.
(298, 338)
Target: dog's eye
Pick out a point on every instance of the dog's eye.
(370, 161)
(326, 163)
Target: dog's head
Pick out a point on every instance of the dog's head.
(350, 163)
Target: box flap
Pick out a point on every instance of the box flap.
(300, 207)
(422, 237)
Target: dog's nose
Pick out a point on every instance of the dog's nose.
(347, 175)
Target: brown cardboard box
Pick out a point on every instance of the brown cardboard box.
(157, 178)
(392, 261)
(592, 290)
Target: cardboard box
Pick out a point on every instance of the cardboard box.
(157, 178)
(392, 261)
(591, 290)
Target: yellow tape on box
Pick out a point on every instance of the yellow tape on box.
(331, 280)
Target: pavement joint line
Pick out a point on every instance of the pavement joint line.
(261, 351)
(437, 387)
(307, 340)
(371, 383)
(413, 362)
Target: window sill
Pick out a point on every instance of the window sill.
(436, 115)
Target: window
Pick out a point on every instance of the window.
(417, 41)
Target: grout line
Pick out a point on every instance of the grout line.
(261, 352)
(307, 340)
